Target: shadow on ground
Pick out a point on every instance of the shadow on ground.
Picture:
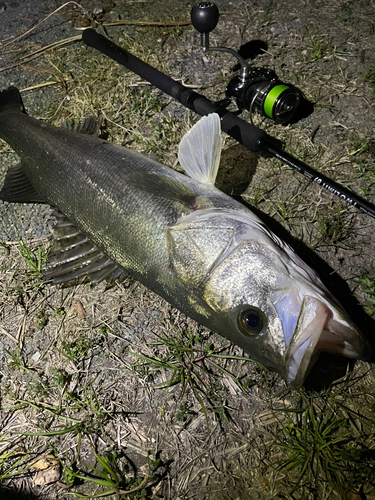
(12, 494)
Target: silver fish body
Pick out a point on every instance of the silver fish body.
(199, 249)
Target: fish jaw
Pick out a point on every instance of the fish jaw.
(321, 327)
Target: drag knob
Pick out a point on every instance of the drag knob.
(204, 16)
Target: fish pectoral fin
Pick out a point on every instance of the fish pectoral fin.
(73, 258)
(165, 187)
(18, 189)
(200, 149)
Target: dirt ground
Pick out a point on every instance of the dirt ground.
(110, 391)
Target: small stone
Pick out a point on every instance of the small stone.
(98, 9)
(200, 496)
(353, 496)
(36, 356)
(114, 16)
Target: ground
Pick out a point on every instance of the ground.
(108, 389)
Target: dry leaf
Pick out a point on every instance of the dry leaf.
(45, 462)
(81, 312)
(49, 470)
(47, 476)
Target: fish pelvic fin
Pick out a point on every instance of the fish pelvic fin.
(11, 99)
(200, 149)
(73, 258)
(18, 189)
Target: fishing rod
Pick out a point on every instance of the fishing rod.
(254, 89)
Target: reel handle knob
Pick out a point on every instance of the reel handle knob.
(204, 16)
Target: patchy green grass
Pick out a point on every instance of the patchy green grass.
(190, 361)
(111, 477)
(367, 286)
(325, 440)
(30, 271)
(319, 445)
(12, 459)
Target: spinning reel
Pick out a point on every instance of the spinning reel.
(254, 89)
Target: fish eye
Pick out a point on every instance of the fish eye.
(251, 321)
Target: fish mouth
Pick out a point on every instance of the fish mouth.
(318, 329)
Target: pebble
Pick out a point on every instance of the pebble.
(114, 16)
(19, 221)
(353, 496)
(36, 356)
(98, 9)
(254, 495)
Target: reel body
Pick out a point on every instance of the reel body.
(264, 93)
(255, 89)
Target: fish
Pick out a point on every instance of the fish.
(204, 252)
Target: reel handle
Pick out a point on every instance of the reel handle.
(204, 17)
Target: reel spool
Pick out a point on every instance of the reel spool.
(264, 93)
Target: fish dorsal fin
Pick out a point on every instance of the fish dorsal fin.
(200, 149)
(73, 258)
(18, 189)
(89, 125)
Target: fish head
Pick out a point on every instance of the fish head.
(259, 294)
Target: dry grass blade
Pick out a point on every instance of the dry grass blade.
(41, 22)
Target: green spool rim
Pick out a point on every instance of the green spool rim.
(271, 98)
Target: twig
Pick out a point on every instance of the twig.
(29, 57)
(2, 330)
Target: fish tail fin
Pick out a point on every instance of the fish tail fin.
(11, 99)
